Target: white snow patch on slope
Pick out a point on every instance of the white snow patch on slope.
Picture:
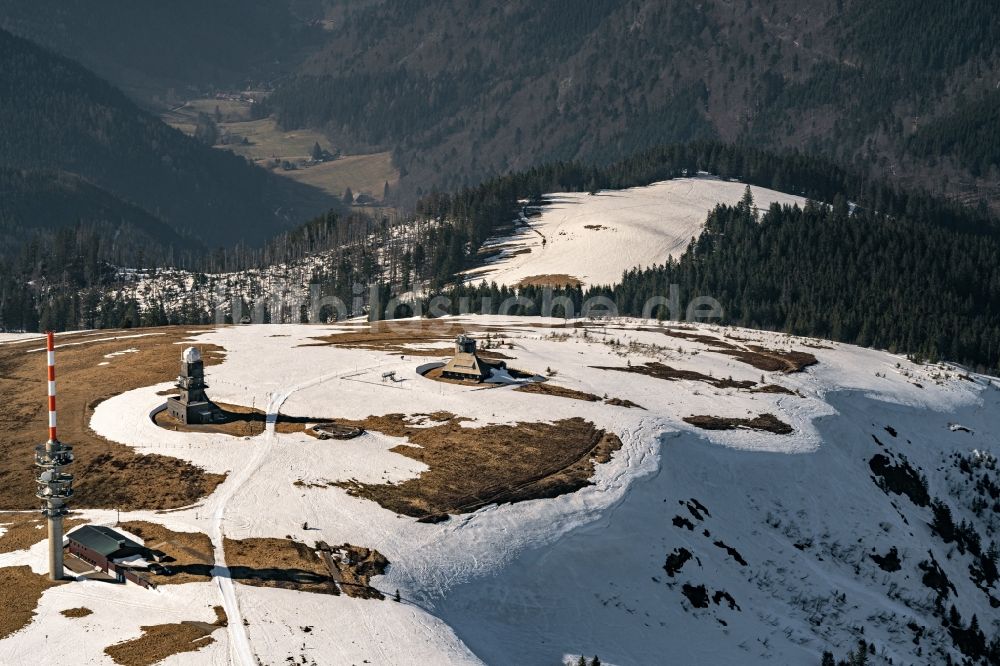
(595, 238)
(531, 582)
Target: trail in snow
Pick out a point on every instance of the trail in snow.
(242, 653)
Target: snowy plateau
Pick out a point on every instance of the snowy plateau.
(689, 546)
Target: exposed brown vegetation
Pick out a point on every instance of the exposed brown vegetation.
(773, 388)
(81, 611)
(548, 388)
(435, 335)
(239, 421)
(473, 467)
(773, 360)
(620, 402)
(107, 474)
(660, 371)
(24, 530)
(684, 334)
(554, 280)
(284, 563)
(160, 641)
(764, 422)
(353, 567)
(191, 559)
(20, 590)
(762, 358)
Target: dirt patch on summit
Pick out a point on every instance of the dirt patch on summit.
(20, 589)
(474, 467)
(660, 371)
(160, 641)
(190, 558)
(108, 474)
(25, 529)
(764, 422)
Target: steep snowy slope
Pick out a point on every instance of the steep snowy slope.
(595, 238)
(692, 546)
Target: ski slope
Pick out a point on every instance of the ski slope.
(542, 581)
(595, 238)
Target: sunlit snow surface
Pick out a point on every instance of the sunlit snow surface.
(538, 581)
(596, 237)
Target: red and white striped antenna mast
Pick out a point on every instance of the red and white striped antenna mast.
(51, 354)
(54, 486)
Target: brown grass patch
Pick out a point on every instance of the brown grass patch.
(160, 641)
(24, 530)
(239, 421)
(392, 336)
(81, 611)
(353, 567)
(554, 280)
(762, 358)
(20, 589)
(548, 388)
(773, 360)
(190, 552)
(619, 402)
(474, 467)
(764, 422)
(773, 388)
(283, 563)
(683, 334)
(107, 474)
(661, 371)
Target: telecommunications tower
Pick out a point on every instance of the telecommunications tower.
(55, 486)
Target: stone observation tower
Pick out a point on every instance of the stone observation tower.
(55, 486)
(192, 406)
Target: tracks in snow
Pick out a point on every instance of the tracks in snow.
(240, 650)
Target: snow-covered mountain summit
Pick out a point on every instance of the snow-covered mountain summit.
(711, 535)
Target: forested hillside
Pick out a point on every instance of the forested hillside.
(903, 270)
(58, 116)
(463, 90)
(149, 48)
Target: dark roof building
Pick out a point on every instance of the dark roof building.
(104, 541)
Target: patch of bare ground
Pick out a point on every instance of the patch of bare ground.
(554, 280)
(160, 641)
(353, 567)
(692, 336)
(81, 611)
(25, 529)
(548, 388)
(239, 421)
(107, 474)
(620, 402)
(189, 554)
(660, 371)
(764, 422)
(434, 336)
(283, 563)
(474, 467)
(20, 590)
(773, 360)
(773, 388)
(762, 358)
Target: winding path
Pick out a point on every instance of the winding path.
(240, 650)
